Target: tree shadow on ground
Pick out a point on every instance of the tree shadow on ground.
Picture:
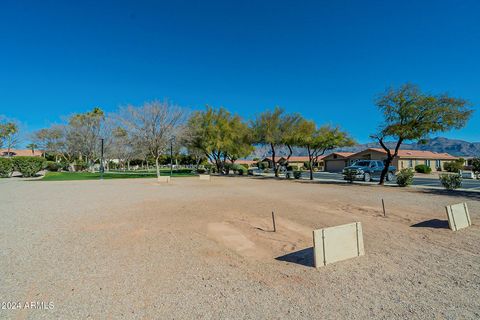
(453, 194)
(303, 257)
(433, 223)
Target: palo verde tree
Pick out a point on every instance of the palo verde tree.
(318, 141)
(219, 135)
(275, 128)
(412, 115)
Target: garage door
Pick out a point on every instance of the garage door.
(334, 165)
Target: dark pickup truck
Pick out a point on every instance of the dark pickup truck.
(367, 170)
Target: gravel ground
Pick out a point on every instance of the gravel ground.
(136, 249)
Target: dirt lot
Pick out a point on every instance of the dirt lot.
(135, 249)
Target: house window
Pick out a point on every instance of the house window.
(438, 164)
(427, 162)
(410, 163)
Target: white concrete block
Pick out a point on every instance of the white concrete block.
(337, 243)
(458, 216)
(205, 177)
(165, 179)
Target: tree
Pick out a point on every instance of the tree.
(275, 128)
(52, 141)
(32, 146)
(476, 165)
(220, 135)
(9, 135)
(411, 115)
(83, 134)
(318, 141)
(152, 126)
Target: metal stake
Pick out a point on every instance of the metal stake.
(383, 205)
(273, 219)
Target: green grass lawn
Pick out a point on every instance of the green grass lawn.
(63, 176)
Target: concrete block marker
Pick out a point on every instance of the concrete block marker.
(337, 243)
(165, 179)
(205, 177)
(458, 216)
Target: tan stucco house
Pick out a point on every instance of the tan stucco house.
(20, 152)
(405, 158)
(335, 162)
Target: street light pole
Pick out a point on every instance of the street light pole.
(171, 157)
(102, 169)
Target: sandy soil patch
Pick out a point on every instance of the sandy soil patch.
(137, 249)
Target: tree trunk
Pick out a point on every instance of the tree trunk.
(275, 167)
(390, 158)
(310, 162)
(385, 170)
(157, 166)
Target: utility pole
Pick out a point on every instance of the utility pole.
(102, 169)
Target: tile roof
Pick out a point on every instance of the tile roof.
(419, 154)
(21, 152)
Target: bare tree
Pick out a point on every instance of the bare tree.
(152, 126)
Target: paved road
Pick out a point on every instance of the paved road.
(468, 184)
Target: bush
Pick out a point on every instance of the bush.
(28, 166)
(451, 181)
(6, 167)
(423, 168)
(297, 174)
(263, 165)
(239, 169)
(405, 177)
(201, 170)
(454, 166)
(53, 166)
(349, 175)
(79, 165)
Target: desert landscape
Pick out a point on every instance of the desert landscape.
(196, 249)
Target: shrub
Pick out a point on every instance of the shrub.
(349, 175)
(79, 165)
(451, 181)
(454, 166)
(6, 167)
(201, 170)
(405, 177)
(250, 172)
(263, 165)
(28, 166)
(476, 165)
(53, 166)
(423, 168)
(297, 174)
(239, 169)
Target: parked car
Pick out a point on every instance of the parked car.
(366, 170)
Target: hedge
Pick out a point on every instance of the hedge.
(28, 166)
(6, 167)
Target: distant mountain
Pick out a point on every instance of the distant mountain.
(440, 145)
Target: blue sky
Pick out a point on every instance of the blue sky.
(324, 59)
